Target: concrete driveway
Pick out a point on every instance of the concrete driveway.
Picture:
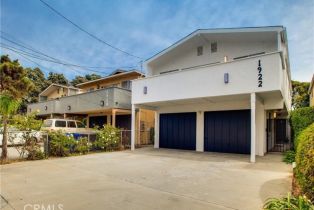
(145, 179)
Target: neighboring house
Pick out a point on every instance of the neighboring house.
(220, 90)
(102, 101)
(55, 91)
(311, 91)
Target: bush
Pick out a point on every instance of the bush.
(107, 138)
(289, 203)
(304, 171)
(82, 145)
(30, 138)
(299, 120)
(289, 156)
(60, 144)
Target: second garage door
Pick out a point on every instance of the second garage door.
(178, 131)
(227, 131)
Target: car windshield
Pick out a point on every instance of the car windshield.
(47, 123)
(80, 125)
(60, 123)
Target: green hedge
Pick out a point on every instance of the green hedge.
(304, 171)
(299, 120)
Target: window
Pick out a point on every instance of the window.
(127, 84)
(60, 124)
(80, 125)
(71, 124)
(199, 50)
(58, 90)
(213, 47)
(47, 123)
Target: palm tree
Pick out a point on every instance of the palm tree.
(8, 106)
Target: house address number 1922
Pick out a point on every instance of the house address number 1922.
(260, 75)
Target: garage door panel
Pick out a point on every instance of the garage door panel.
(227, 131)
(178, 131)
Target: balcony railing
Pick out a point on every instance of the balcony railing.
(101, 99)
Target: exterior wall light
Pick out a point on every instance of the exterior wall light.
(69, 107)
(46, 107)
(226, 78)
(145, 90)
(102, 103)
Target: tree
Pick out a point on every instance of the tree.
(40, 83)
(8, 106)
(57, 78)
(81, 79)
(14, 85)
(300, 96)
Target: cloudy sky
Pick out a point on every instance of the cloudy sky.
(143, 28)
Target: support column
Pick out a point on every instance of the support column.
(133, 122)
(113, 123)
(109, 119)
(87, 121)
(156, 140)
(253, 127)
(200, 131)
(139, 128)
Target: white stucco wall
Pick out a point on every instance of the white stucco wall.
(186, 56)
(209, 81)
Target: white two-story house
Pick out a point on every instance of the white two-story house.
(219, 90)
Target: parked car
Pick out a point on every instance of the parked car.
(15, 136)
(66, 126)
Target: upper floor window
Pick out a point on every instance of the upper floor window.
(199, 50)
(213, 47)
(127, 84)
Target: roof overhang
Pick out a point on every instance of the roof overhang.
(54, 87)
(119, 75)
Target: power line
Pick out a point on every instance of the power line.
(26, 56)
(58, 60)
(88, 33)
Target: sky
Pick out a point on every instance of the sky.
(143, 28)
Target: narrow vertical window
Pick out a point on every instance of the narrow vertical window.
(213, 47)
(199, 50)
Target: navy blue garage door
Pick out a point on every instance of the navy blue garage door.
(227, 131)
(177, 131)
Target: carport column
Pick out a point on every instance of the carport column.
(113, 118)
(253, 127)
(156, 140)
(133, 131)
(200, 131)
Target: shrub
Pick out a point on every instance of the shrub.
(60, 144)
(107, 138)
(299, 120)
(82, 145)
(30, 138)
(289, 156)
(289, 203)
(304, 170)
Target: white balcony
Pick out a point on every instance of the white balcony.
(209, 81)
